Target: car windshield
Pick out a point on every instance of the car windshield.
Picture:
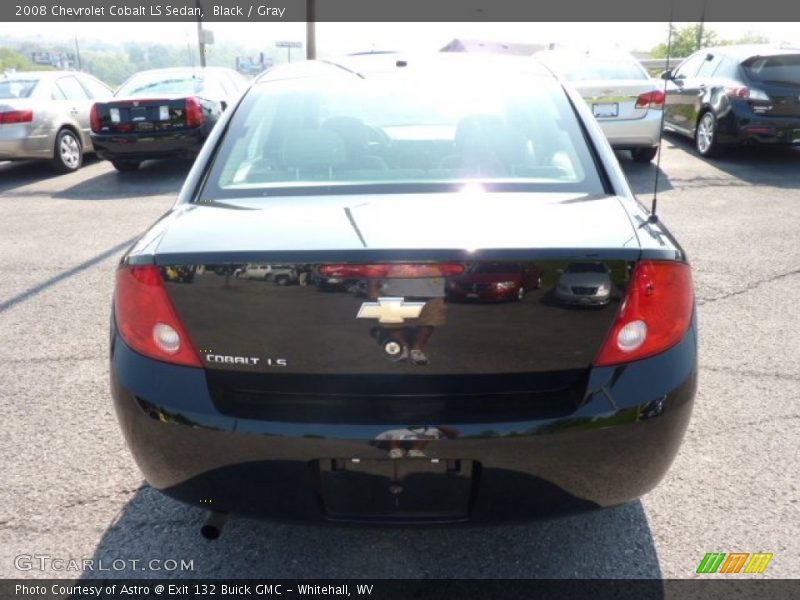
(588, 68)
(774, 69)
(586, 268)
(16, 88)
(381, 132)
(152, 83)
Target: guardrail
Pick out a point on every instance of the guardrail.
(660, 63)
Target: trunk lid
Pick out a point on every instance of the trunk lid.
(317, 336)
(143, 115)
(612, 100)
(778, 77)
(417, 222)
(784, 100)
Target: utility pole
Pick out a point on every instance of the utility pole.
(78, 54)
(700, 29)
(201, 44)
(311, 33)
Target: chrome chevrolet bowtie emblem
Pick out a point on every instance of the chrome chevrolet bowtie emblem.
(390, 310)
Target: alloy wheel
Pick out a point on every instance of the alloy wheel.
(705, 133)
(70, 151)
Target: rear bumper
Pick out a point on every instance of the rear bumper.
(612, 449)
(183, 144)
(628, 134)
(21, 146)
(747, 127)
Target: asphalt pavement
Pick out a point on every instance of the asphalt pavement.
(70, 489)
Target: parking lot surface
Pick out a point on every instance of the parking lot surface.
(71, 489)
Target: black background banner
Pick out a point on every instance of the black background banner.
(401, 10)
(706, 588)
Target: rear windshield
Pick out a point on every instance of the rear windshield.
(152, 84)
(587, 68)
(384, 132)
(774, 69)
(16, 88)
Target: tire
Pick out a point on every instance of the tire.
(705, 135)
(67, 152)
(644, 155)
(282, 280)
(125, 166)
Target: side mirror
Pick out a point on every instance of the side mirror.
(666, 75)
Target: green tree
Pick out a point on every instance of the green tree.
(687, 40)
(14, 60)
(752, 38)
(109, 66)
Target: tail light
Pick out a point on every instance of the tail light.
(737, 92)
(392, 270)
(16, 116)
(654, 315)
(94, 119)
(146, 319)
(654, 99)
(194, 112)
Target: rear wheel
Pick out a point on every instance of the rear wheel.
(705, 137)
(125, 166)
(644, 155)
(68, 152)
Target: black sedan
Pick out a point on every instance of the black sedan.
(736, 95)
(162, 113)
(283, 401)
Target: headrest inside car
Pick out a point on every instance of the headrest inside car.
(314, 149)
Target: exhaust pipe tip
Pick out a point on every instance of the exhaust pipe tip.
(214, 525)
(210, 532)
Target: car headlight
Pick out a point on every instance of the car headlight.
(505, 285)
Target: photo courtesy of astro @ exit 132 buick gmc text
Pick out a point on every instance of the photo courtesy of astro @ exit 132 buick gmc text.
(290, 294)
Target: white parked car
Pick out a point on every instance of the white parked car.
(253, 271)
(624, 99)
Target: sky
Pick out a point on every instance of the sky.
(339, 38)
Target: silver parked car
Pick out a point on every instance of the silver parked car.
(45, 115)
(624, 99)
(584, 283)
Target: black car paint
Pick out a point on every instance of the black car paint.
(693, 90)
(614, 445)
(160, 139)
(151, 145)
(571, 439)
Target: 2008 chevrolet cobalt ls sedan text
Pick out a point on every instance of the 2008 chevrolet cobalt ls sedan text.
(301, 400)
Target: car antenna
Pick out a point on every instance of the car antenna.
(654, 204)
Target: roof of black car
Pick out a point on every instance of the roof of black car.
(388, 63)
(744, 51)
